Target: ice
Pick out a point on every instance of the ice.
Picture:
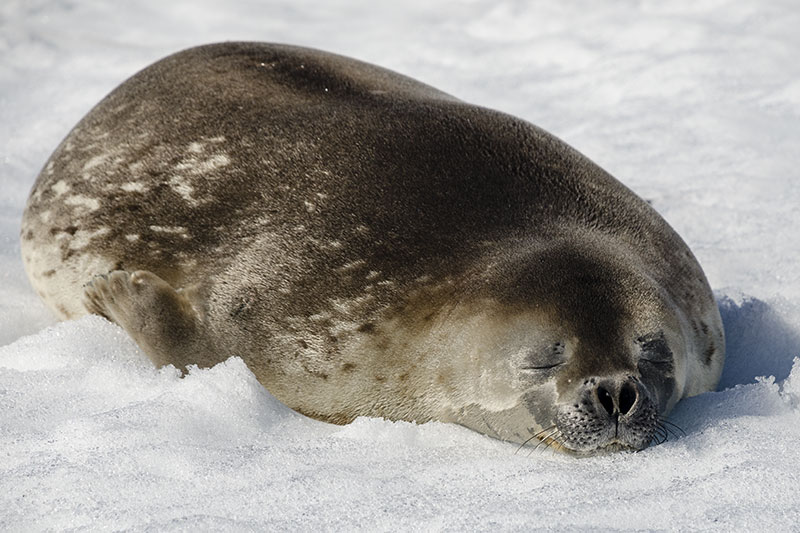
(692, 103)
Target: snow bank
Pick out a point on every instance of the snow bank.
(95, 437)
(694, 104)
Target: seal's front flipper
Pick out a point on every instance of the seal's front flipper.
(160, 319)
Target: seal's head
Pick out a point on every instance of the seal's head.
(581, 350)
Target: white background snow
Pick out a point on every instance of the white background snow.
(695, 104)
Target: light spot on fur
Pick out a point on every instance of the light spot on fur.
(175, 230)
(79, 200)
(133, 186)
(343, 318)
(49, 168)
(194, 165)
(320, 317)
(60, 187)
(340, 328)
(214, 162)
(95, 161)
(136, 168)
(348, 306)
(310, 207)
(372, 274)
(197, 166)
(183, 188)
(349, 267)
(82, 238)
(132, 237)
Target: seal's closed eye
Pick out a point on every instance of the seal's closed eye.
(545, 358)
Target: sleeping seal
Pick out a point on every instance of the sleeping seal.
(371, 246)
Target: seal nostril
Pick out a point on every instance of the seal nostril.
(627, 397)
(605, 399)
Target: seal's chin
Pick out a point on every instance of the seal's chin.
(598, 437)
(611, 447)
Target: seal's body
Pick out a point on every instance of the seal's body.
(372, 246)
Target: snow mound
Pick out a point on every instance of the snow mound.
(94, 436)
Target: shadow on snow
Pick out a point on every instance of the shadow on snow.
(759, 341)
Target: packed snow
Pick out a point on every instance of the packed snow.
(695, 104)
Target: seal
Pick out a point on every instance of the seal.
(372, 246)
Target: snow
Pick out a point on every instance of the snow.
(695, 104)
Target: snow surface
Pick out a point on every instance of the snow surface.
(692, 103)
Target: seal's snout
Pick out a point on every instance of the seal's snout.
(617, 399)
(611, 413)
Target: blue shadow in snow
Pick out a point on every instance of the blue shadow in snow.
(758, 342)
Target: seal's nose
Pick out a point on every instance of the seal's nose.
(617, 399)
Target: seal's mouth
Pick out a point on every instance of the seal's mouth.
(611, 447)
(554, 438)
(587, 435)
(609, 415)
